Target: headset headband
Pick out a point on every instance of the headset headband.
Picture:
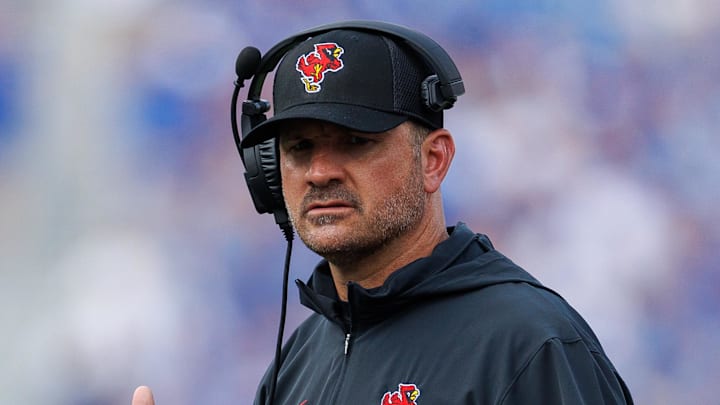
(451, 83)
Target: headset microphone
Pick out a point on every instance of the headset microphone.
(263, 181)
(246, 66)
(247, 63)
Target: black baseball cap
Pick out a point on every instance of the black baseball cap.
(359, 80)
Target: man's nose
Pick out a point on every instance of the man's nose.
(325, 167)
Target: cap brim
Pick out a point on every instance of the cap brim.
(353, 117)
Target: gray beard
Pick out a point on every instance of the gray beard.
(400, 211)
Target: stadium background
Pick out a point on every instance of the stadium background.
(130, 253)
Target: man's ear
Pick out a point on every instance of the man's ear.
(438, 151)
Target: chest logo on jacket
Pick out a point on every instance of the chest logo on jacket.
(406, 394)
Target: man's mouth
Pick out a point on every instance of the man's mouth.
(330, 207)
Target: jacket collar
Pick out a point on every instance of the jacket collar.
(464, 262)
(404, 286)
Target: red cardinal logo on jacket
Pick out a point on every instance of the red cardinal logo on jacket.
(406, 394)
(314, 65)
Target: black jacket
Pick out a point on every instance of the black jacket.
(462, 326)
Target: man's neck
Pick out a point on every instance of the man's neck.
(373, 270)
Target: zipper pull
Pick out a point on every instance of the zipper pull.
(347, 343)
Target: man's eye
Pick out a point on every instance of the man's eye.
(301, 145)
(358, 140)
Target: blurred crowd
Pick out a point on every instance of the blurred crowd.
(130, 252)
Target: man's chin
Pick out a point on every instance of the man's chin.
(327, 236)
(325, 230)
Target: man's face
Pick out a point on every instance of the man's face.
(350, 193)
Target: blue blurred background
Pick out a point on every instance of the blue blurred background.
(130, 252)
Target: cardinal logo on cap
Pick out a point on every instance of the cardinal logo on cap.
(313, 66)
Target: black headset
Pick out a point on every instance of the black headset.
(262, 172)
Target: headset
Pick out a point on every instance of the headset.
(439, 91)
(262, 173)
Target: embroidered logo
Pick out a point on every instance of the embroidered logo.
(406, 394)
(313, 66)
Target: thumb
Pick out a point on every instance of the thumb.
(143, 396)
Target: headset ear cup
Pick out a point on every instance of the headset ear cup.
(263, 176)
(270, 162)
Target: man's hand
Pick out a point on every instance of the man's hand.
(143, 396)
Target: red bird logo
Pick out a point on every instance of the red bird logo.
(313, 66)
(405, 395)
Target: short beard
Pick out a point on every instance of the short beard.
(399, 212)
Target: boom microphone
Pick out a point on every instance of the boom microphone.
(247, 63)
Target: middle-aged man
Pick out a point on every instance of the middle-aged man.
(407, 311)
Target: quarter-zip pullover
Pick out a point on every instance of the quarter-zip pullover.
(464, 325)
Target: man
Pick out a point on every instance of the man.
(407, 310)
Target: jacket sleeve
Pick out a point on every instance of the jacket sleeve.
(567, 372)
